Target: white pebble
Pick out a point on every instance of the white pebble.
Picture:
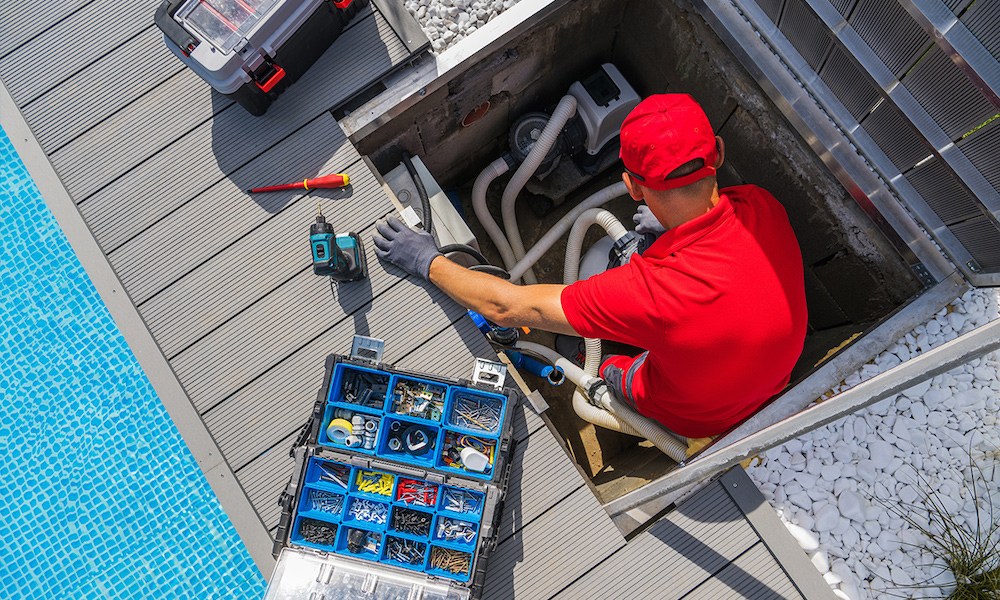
(851, 505)
(806, 539)
(827, 518)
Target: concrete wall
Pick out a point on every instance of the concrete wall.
(527, 75)
(853, 276)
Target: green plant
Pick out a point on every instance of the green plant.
(970, 553)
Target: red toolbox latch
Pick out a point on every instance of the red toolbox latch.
(267, 75)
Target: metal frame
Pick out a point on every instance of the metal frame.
(959, 44)
(951, 156)
(934, 362)
(827, 128)
(798, 397)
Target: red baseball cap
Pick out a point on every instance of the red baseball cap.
(662, 133)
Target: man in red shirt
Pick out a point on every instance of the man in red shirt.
(717, 301)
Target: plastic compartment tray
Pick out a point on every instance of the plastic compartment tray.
(417, 420)
(410, 536)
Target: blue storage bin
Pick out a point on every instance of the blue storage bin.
(460, 502)
(366, 512)
(358, 386)
(417, 398)
(406, 552)
(411, 522)
(374, 485)
(448, 455)
(416, 493)
(315, 533)
(396, 434)
(367, 542)
(448, 562)
(342, 416)
(474, 411)
(328, 474)
(454, 531)
(321, 504)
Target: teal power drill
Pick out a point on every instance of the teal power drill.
(342, 257)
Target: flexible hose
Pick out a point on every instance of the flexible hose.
(587, 411)
(563, 112)
(626, 420)
(593, 216)
(623, 419)
(493, 170)
(491, 270)
(543, 245)
(464, 249)
(425, 202)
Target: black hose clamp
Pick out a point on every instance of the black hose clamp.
(596, 391)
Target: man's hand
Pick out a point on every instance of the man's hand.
(646, 222)
(409, 250)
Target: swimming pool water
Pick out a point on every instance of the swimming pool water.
(99, 496)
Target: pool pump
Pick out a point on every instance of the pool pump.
(590, 138)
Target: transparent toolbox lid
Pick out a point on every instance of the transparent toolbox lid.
(223, 23)
(300, 575)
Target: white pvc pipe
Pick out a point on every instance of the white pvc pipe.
(625, 419)
(571, 267)
(618, 416)
(587, 411)
(574, 246)
(493, 170)
(563, 112)
(563, 225)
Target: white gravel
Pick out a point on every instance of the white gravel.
(447, 21)
(823, 485)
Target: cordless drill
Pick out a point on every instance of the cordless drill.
(342, 257)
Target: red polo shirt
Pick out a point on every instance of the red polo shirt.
(719, 304)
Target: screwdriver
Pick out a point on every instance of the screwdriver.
(327, 181)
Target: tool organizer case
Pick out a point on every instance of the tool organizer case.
(369, 516)
(252, 50)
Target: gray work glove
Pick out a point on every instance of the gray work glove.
(409, 250)
(646, 222)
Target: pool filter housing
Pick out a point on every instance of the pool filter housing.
(603, 99)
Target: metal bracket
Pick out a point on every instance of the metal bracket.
(489, 373)
(367, 349)
(537, 402)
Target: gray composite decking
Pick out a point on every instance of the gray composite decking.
(232, 318)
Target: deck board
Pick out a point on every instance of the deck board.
(696, 540)
(266, 477)
(748, 577)
(61, 51)
(25, 19)
(553, 550)
(158, 165)
(225, 213)
(56, 115)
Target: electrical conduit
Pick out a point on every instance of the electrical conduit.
(563, 112)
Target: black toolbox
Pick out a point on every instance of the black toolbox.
(398, 485)
(251, 50)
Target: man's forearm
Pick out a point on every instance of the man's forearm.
(500, 301)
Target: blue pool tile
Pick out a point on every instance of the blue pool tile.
(99, 496)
